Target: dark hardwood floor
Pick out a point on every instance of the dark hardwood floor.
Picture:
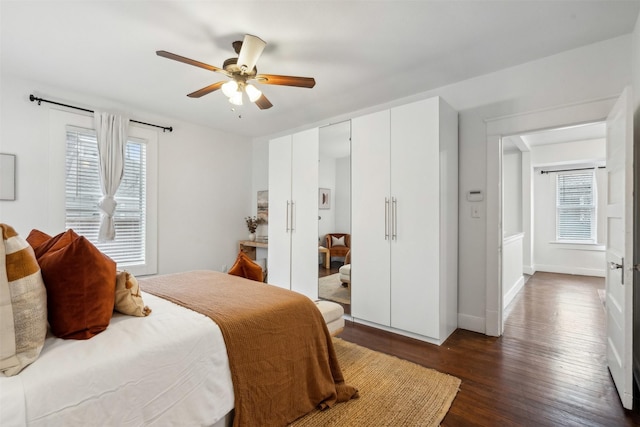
(548, 369)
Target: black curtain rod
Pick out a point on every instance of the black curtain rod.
(40, 100)
(576, 169)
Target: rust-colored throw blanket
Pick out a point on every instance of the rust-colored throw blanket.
(282, 360)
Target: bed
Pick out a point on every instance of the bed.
(265, 359)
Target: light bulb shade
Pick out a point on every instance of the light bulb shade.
(250, 51)
(230, 88)
(252, 92)
(236, 98)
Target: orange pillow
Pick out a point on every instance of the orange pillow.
(37, 237)
(81, 284)
(245, 267)
(55, 243)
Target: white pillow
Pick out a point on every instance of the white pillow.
(337, 241)
(23, 303)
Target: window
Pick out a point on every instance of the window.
(82, 190)
(576, 207)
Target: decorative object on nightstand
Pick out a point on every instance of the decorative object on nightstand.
(252, 225)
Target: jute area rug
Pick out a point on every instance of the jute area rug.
(393, 392)
(329, 287)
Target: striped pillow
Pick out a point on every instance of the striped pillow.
(23, 304)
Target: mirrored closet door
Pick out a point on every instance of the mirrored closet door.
(334, 214)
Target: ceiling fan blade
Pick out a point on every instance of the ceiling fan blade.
(263, 103)
(193, 62)
(206, 90)
(272, 79)
(250, 51)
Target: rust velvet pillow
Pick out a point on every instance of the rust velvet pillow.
(37, 238)
(245, 267)
(81, 283)
(55, 243)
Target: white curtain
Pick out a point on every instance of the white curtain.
(111, 132)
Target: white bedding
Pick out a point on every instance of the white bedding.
(170, 368)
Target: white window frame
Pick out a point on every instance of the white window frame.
(59, 121)
(593, 207)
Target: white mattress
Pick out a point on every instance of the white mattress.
(170, 368)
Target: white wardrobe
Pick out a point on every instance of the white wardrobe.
(405, 220)
(293, 212)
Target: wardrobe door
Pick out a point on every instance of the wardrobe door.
(279, 252)
(415, 192)
(370, 225)
(304, 227)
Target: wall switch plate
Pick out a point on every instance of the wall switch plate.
(475, 211)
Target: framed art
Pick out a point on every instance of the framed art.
(324, 198)
(7, 176)
(263, 206)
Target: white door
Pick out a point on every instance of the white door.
(619, 276)
(304, 222)
(279, 252)
(370, 231)
(415, 194)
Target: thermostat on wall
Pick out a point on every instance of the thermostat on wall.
(475, 196)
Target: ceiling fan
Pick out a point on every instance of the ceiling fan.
(241, 71)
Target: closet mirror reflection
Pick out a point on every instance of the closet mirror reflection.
(334, 214)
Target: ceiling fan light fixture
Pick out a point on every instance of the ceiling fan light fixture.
(250, 51)
(236, 98)
(252, 92)
(230, 88)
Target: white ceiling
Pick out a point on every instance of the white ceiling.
(583, 132)
(360, 53)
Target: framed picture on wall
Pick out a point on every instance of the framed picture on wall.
(324, 198)
(263, 206)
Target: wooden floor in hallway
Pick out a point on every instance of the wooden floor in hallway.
(548, 369)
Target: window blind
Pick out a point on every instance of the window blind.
(576, 206)
(82, 187)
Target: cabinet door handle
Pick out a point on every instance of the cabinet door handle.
(394, 218)
(386, 218)
(287, 216)
(293, 216)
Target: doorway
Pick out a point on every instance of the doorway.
(554, 192)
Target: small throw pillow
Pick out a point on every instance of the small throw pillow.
(245, 267)
(128, 298)
(81, 286)
(23, 304)
(337, 241)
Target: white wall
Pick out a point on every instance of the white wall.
(590, 73)
(259, 182)
(512, 278)
(588, 260)
(327, 179)
(203, 187)
(512, 193)
(343, 195)
(564, 258)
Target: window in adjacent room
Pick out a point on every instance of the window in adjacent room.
(82, 188)
(576, 201)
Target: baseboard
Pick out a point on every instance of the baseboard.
(471, 323)
(399, 331)
(528, 269)
(492, 323)
(509, 296)
(596, 272)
